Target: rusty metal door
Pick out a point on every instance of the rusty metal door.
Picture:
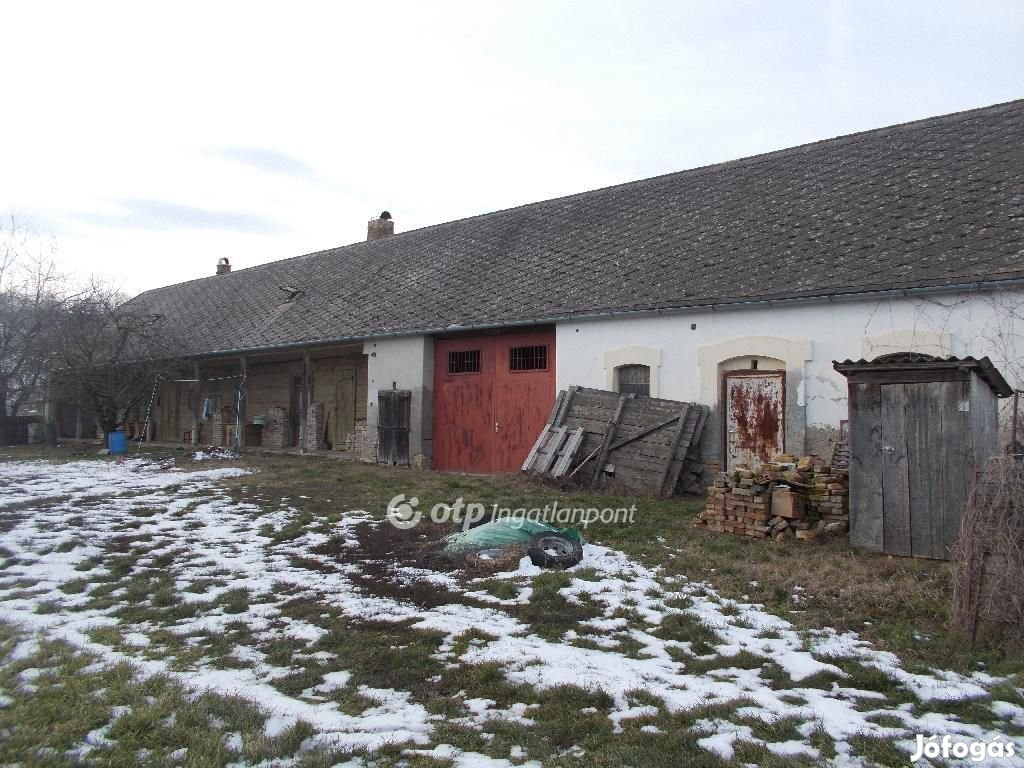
(492, 396)
(755, 423)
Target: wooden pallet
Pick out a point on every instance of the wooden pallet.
(554, 451)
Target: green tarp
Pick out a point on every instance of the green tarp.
(509, 532)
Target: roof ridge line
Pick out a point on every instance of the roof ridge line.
(840, 140)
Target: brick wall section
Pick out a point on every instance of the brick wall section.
(314, 427)
(217, 428)
(277, 432)
(362, 442)
(222, 417)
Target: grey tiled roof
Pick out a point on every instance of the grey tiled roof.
(930, 203)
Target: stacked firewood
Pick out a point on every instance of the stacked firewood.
(783, 499)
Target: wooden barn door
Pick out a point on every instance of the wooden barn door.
(755, 419)
(492, 397)
(524, 382)
(345, 398)
(464, 405)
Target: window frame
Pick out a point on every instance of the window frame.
(511, 357)
(632, 366)
(452, 355)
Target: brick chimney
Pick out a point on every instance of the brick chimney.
(380, 227)
(223, 266)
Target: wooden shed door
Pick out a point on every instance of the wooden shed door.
(922, 466)
(394, 408)
(492, 397)
(755, 423)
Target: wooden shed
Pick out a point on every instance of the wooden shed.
(920, 427)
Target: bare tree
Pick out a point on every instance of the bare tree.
(32, 296)
(110, 354)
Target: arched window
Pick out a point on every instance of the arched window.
(634, 379)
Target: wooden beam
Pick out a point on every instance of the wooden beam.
(672, 454)
(243, 384)
(644, 433)
(304, 405)
(564, 406)
(197, 392)
(606, 444)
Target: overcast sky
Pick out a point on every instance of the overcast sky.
(152, 139)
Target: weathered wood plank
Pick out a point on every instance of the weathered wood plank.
(556, 408)
(644, 432)
(602, 455)
(565, 406)
(694, 426)
(686, 423)
(651, 452)
(589, 425)
(567, 454)
(865, 467)
(908, 376)
(549, 451)
(953, 450)
(895, 479)
(921, 413)
(532, 455)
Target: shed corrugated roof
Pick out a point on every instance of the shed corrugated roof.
(932, 203)
(984, 367)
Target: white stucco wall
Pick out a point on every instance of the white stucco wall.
(807, 337)
(403, 363)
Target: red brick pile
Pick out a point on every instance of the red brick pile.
(785, 499)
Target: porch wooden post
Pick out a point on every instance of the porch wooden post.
(304, 404)
(197, 388)
(240, 417)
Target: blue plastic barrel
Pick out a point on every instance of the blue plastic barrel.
(117, 442)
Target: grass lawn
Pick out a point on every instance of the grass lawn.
(256, 611)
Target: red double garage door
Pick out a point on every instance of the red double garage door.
(492, 397)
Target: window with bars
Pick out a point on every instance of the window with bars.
(465, 361)
(635, 380)
(529, 358)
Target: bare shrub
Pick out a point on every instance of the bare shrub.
(988, 599)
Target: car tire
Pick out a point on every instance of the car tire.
(554, 550)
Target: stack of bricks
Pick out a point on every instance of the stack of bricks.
(828, 498)
(779, 501)
(277, 432)
(737, 504)
(221, 417)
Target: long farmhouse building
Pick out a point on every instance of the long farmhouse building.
(445, 346)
